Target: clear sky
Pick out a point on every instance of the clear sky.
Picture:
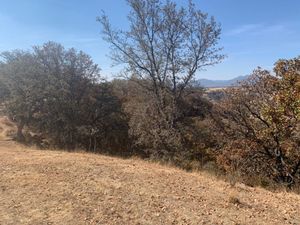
(254, 32)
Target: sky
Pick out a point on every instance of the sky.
(254, 32)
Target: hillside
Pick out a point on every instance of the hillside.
(220, 83)
(53, 187)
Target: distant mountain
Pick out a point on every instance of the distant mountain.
(219, 83)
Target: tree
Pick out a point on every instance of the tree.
(4, 92)
(104, 124)
(260, 124)
(163, 49)
(20, 75)
(59, 96)
(70, 75)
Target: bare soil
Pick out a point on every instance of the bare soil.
(6, 128)
(54, 187)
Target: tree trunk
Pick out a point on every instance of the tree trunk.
(20, 135)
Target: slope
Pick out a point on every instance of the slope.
(54, 187)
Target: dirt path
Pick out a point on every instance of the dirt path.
(50, 187)
(6, 127)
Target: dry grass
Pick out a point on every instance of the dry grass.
(234, 200)
(6, 128)
(215, 89)
(53, 187)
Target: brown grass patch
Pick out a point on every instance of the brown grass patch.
(7, 128)
(52, 187)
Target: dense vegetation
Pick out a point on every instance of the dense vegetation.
(57, 98)
(259, 123)
(58, 95)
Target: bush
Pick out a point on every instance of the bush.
(259, 124)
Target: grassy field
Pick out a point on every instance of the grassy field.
(53, 187)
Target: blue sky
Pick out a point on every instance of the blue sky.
(254, 32)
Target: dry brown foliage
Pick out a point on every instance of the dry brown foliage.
(259, 124)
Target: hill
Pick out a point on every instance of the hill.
(219, 83)
(54, 187)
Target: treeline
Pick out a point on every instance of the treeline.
(57, 98)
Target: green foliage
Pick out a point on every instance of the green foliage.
(58, 95)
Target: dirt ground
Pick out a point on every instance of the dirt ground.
(52, 187)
